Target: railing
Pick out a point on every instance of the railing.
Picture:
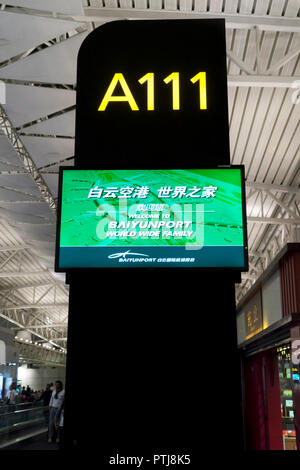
(16, 420)
(19, 406)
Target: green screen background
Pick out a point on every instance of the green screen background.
(79, 218)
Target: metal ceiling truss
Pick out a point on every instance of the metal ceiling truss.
(7, 129)
(39, 332)
(30, 307)
(40, 355)
(282, 228)
(233, 20)
(39, 47)
(24, 254)
(22, 129)
(18, 260)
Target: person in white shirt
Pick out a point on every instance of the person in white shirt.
(60, 424)
(11, 396)
(55, 404)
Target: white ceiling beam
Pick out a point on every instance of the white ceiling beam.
(281, 204)
(13, 172)
(257, 254)
(233, 20)
(36, 201)
(274, 220)
(34, 317)
(37, 353)
(293, 53)
(53, 6)
(14, 248)
(35, 327)
(28, 286)
(44, 294)
(60, 339)
(23, 327)
(261, 81)
(274, 187)
(8, 259)
(248, 276)
(22, 273)
(240, 63)
(10, 188)
(7, 128)
(31, 306)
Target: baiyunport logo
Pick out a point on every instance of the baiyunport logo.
(125, 253)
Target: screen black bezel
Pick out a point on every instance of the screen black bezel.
(199, 268)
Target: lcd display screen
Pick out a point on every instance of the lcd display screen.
(151, 218)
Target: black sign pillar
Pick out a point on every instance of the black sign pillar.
(152, 366)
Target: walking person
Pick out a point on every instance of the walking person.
(55, 404)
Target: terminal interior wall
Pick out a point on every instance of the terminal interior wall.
(38, 378)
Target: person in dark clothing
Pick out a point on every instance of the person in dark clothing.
(45, 396)
(28, 394)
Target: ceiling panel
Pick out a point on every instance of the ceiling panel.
(171, 4)
(215, 6)
(140, 4)
(200, 5)
(20, 216)
(64, 125)
(111, 3)
(69, 7)
(292, 8)
(125, 3)
(20, 33)
(9, 159)
(231, 6)
(20, 183)
(29, 103)
(43, 248)
(246, 7)
(155, 4)
(43, 232)
(240, 130)
(33, 213)
(186, 5)
(54, 64)
(284, 127)
(11, 195)
(45, 150)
